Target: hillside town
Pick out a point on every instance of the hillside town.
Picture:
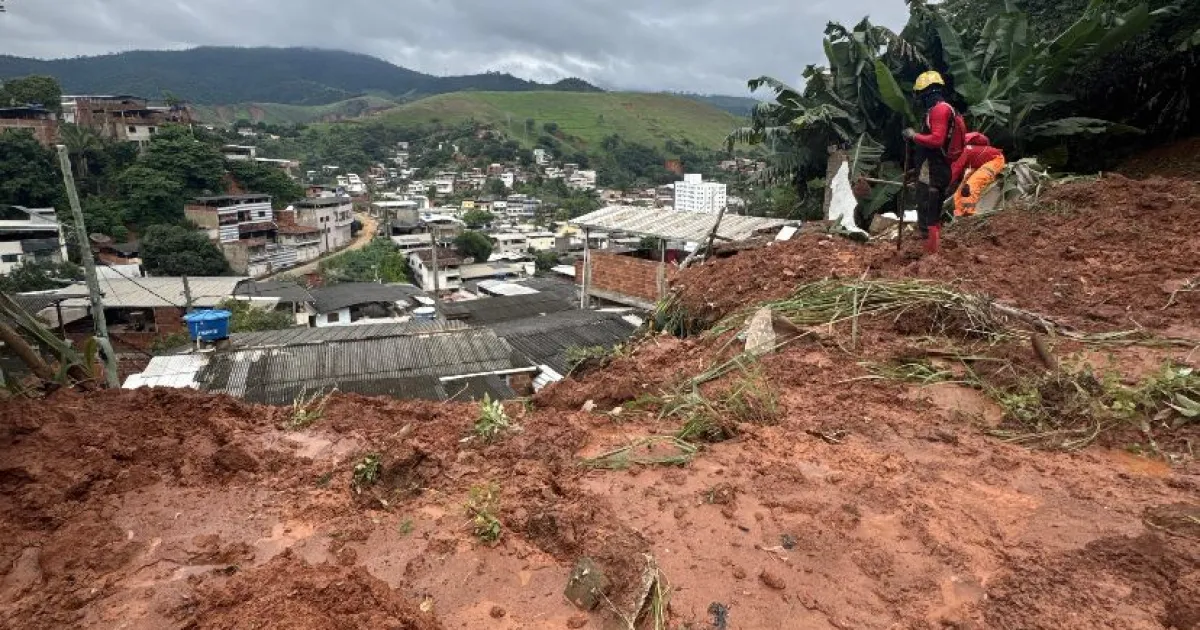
(604, 268)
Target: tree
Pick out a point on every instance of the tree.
(105, 216)
(544, 261)
(260, 178)
(32, 90)
(474, 245)
(478, 218)
(245, 317)
(39, 276)
(496, 187)
(174, 250)
(151, 196)
(550, 128)
(29, 175)
(195, 164)
(380, 261)
(82, 143)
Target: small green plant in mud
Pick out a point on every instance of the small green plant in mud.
(586, 358)
(483, 504)
(366, 472)
(324, 479)
(307, 409)
(493, 421)
(405, 527)
(747, 399)
(1072, 407)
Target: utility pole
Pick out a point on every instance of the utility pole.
(89, 269)
(187, 295)
(436, 280)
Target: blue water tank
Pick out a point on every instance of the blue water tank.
(211, 325)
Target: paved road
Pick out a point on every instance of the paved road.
(369, 226)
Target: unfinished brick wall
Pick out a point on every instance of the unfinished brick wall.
(623, 275)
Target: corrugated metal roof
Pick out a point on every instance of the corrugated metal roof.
(504, 308)
(282, 289)
(34, 302)
(290, 336)
(339, 296)
(159, 292)
(673, 225)
(545, 340)
(276, 375)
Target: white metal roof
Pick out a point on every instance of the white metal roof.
(152, 292)
(499, 287)
(675, 225)
(177, 370)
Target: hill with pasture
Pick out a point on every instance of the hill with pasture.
(581, 119)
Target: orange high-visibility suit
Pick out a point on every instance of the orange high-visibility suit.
(979, 165)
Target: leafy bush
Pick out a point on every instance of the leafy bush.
(173, 250)
(380, 261)
(493, 421)
(249, 318)
(483, 504)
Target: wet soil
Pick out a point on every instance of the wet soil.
(861, 503)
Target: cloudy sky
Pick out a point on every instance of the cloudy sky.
(708, 46)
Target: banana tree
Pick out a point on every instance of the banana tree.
(847, 104)
(1016, 88)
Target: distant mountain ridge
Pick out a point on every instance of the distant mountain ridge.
(212, 75)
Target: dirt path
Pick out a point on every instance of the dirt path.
(369, 226)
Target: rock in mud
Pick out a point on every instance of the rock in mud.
(578, 621)
(770, 580)
(587, 585)
(760, 334)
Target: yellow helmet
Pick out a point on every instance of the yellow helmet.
(927, 79)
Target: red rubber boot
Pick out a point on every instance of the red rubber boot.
(934, 240)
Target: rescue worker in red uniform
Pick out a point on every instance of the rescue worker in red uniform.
(938, 147)
(977, 168)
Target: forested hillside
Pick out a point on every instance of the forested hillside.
(294, 76)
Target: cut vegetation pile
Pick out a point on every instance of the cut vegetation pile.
(975, 441)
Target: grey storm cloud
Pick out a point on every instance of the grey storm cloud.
(710, 46)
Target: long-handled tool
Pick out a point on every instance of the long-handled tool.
(900, 201)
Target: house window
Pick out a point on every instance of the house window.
(132, 129)
(153, 129)
(332, 318)
(10, 258)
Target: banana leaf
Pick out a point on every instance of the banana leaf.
(1078, 125)
(891, 94)
(966, 83)
(864, 156)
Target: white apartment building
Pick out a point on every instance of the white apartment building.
(508, 179)
(695, 195)
(541, 157)
(29, 235)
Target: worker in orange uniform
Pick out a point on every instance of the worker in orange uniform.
(978, 167)
(938, 147)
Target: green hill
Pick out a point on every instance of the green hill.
(279, 113)
(216, 75)
(583, 119)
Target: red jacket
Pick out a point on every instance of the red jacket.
(977, 153)
(947, 132)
